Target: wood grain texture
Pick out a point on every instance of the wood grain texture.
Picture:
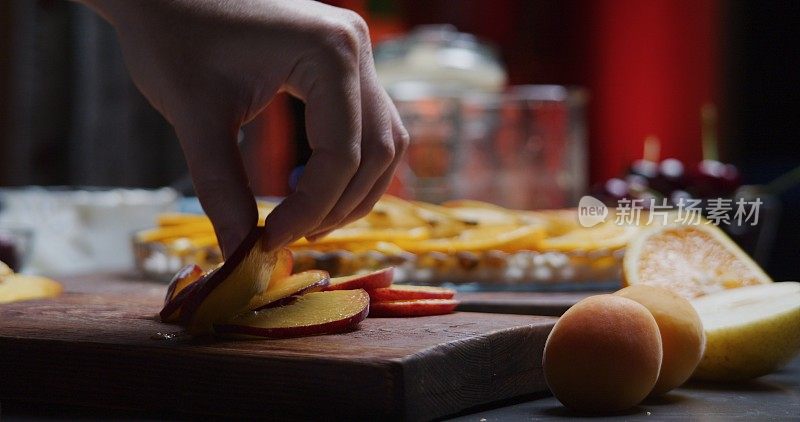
(94, 347)
(521, 303)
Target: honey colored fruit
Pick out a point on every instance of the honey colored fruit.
(227, 292)
(409, 292)
(412, 308)
(185, 277)
(284, 288)
(311, 314)
(369, 281)
(603, 355)
(682, 335)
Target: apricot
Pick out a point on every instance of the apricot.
(682, 336)
(603, 355)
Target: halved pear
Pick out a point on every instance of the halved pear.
(750, 331)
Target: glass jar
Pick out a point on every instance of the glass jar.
(520, 147)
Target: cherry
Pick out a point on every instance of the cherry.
(611, 191)
(676, 196)
(638, 186)
(670, 177)
(714, 179)
(645, 168)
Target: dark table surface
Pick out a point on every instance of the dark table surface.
(772, 397)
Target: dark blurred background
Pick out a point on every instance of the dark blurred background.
(69, 114)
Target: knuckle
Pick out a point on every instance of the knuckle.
(340, 39)
(359, 26)
(301, 200)
(349, 161)
(383, 151)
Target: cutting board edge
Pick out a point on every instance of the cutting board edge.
(18, 380)
(526, 381)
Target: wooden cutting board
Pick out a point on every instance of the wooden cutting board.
(523, 303)
(95, 346)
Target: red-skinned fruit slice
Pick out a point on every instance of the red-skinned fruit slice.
(183, 278)
(412, 308)
(311, 314)
(368, 281)
(171, 312)
(227, 292)
(282, 289)
(409, 292)
(284, 261)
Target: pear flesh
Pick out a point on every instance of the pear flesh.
(750, 331)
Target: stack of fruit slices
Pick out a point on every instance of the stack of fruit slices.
(398, 300)
(255, 294)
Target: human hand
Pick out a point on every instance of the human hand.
(210, 66)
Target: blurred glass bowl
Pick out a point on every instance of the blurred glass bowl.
(82, 229)
(160, 261)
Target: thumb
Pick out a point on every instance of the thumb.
(220, 180)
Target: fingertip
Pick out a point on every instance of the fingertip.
(316, 236)
(276, 234)
(275, 239)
